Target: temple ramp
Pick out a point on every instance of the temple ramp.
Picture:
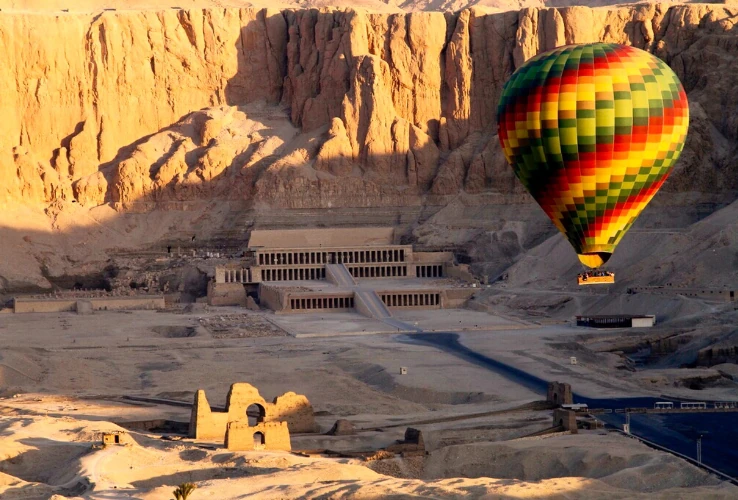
(368, 303)
(339, 275)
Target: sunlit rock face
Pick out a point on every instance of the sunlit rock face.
(313, 108)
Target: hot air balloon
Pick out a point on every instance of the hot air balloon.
(593, 131)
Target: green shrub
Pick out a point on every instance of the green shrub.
(183, 491)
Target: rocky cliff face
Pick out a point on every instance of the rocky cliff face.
(314, 108)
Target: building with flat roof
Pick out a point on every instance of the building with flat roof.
(304, 270)
(617, 321)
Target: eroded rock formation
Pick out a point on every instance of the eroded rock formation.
(314, 108)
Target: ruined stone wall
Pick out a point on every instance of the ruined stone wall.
(566, 419)
(240, 436)
(461, 272)
(40, 305)
(456, 297)
(293, 409)
(22, 305)
(205, 423)
(271, 297)
(559, 393)
(296, 411)
(226, 294)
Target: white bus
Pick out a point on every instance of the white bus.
(700, 405)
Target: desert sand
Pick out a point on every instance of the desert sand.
(64, 376)
(148, 468)
(132, 126)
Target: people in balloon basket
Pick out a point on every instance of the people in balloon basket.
(592, 274)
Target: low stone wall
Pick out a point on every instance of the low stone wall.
(226, 294)
(457, 297)
(460, 272)
(21, 305)
(271, 297)
(158, 425)
(44, 305)
(699, 293)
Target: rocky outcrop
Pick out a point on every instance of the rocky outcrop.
(352, 108)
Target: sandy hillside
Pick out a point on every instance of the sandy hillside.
(43, 456)
(64, 378)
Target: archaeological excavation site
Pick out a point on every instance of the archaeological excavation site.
(369, 249)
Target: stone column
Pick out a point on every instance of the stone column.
(219, 275)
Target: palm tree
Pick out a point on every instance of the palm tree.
(183, 491)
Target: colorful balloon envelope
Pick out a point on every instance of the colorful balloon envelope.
(593, 131)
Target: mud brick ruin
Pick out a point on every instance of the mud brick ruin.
(249, 422)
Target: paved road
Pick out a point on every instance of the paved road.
(676, 432)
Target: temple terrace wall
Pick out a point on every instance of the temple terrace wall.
(336, 302)
(22, 305)
(327, 237)
(350, 255)
(420, 299)
(287, 300)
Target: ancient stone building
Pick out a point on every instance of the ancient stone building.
(559, 393)
(566, 419)
(109, 438)
(240, 436)
(284, 267)
(246, 407)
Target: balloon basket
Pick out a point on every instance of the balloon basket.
(588, 279)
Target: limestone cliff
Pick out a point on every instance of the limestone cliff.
(314, 108)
